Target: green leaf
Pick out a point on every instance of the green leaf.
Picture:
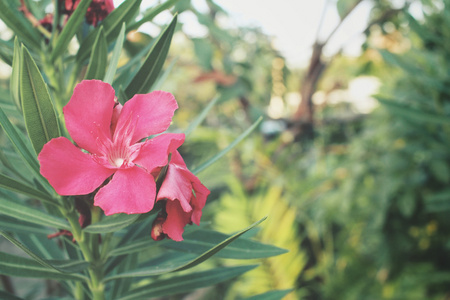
(97, 63)
(22, 212)
(38, 111)
(225, 151)
(13, 225)
(412, 113)
(134, 246)
(148, 73)
(11, 184)
(13, 265)
(153, 12)
(163, 76)
(69, 30)
(186, 283)
(199, 119)
(15, 74)
(60, 266)
(112, 223)
(438, 202)
(344, 7)
(272, 295)
(6, 51)
(173, 267)
(16, 21)
(18, 142)
(109, 76)
(111, 24)
(201, 240)
(7, 296)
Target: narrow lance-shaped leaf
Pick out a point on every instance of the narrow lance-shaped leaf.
(13, 265)
(111, 25)
(225, 151)
(97, 63)
(11, 184)
(271, 295)
(15, 74)
(19, 143)
(112, 67)
(69, 30)
(186, 283)
(60, 266)
(150, 14)
(15, 20)
(26, 213)
(173, 267)
(149, 71)
(112, 223)
(199, 119)
(38, 111)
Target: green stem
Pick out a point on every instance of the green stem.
(89, 251)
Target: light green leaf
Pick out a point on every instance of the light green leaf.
(112, 223)
(15, 20)
(199, 119)
(112, 67)
(148, 73)
(186, 283)
(13, 265)
(97, 63)
(272, 295)
(59, 266)
(135, 246)
(15, 74)
(201, 240)
(225, 151)
(11, 184)
(19, 211)
(38, 111)
(173, 267)
(111, 24)
(151, 13)
(412, 113)
(69, 30)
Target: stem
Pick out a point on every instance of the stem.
(33, 20)
(90, 252)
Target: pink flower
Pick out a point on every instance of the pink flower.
(185, 198)
(109, 143)
(96, 12)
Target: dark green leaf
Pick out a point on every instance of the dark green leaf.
(186, 283)
(26, 213)
(412, 113)
(13, 265)
(18, 142)
(11, 184)
(148, 73)
(111, 25)
(183, 265)
(15, 20)
(201, 240)
(6, 51)
(272, 295)
(38, 111)
(8, 296)
(112, 223)
(97, 63)
(59, 266)
(13, 225)
(438, 202)
(112, 67)
(225, 151)
(135, 246)
(69, 30)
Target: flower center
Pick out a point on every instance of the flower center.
(118, 162)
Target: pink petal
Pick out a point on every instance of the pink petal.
(88, 113)
(177, 218)
(155, 152)
(176, 187)
(131, 191)
(69, 170)
(150, 113)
